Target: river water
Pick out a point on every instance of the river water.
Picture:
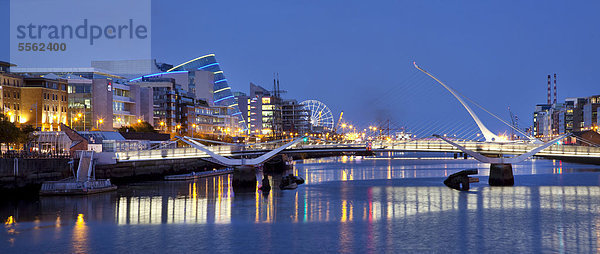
(392, 203)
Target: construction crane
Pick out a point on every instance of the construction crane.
(338, 122)
(514, 120)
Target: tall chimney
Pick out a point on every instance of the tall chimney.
(275, 85)
(555, 98)
(278, 93)
(549, 87)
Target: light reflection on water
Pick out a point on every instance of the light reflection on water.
(352, 215)
(80, 236)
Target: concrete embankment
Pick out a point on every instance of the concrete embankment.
(151, 170)
(28, 174)
(16, 173)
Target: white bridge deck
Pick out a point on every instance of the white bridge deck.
(570, 151)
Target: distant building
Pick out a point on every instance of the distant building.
(222, 94)
(574, 115)
(44, 103)
(10, 96)
(294, 117)
(185, 109)
(590, 113)
(128, 68)
(5, 66)
(267, 114)
(98, 99)
(36, 101)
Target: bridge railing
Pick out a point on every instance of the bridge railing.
(170, 153)
(415, 145)
(497, 148)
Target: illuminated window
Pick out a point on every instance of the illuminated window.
(266, 100)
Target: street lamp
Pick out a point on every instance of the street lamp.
(79, 116)
(99, 122)
(193, 129)
(73, 119)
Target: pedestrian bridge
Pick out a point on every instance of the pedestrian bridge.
(585, 154)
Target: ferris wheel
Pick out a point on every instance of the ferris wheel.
(320, 115)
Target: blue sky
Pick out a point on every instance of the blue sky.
(356, 56)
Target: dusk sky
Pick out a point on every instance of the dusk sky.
(357, 56)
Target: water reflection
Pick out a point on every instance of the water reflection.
(80, 236)
(206, 200)
(10, 227)
(349, 168)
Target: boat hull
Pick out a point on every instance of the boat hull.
(71, 187)
(69, 192)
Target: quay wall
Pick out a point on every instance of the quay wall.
(30, 173)
(18, 173)
(151, 170)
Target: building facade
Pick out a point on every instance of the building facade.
(267, 114)
(222, 94)
(41, 102)
(574, 115)
(98, 99)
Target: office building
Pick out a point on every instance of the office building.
(222, 94)
(41, 102)
(267, 114)
(98, 99)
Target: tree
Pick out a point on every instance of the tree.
(26, 135)
(138, 127)
(9, 133)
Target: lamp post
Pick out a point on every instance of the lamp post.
(99, 122)
(79, 115)
(74, 119)
(193, 129)
(34, 106)
(54, 119)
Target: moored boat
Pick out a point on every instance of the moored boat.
(83, 182)
(72, 187)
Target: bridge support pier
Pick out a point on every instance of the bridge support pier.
(244, 178)
(501, 174)
(279, 163)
